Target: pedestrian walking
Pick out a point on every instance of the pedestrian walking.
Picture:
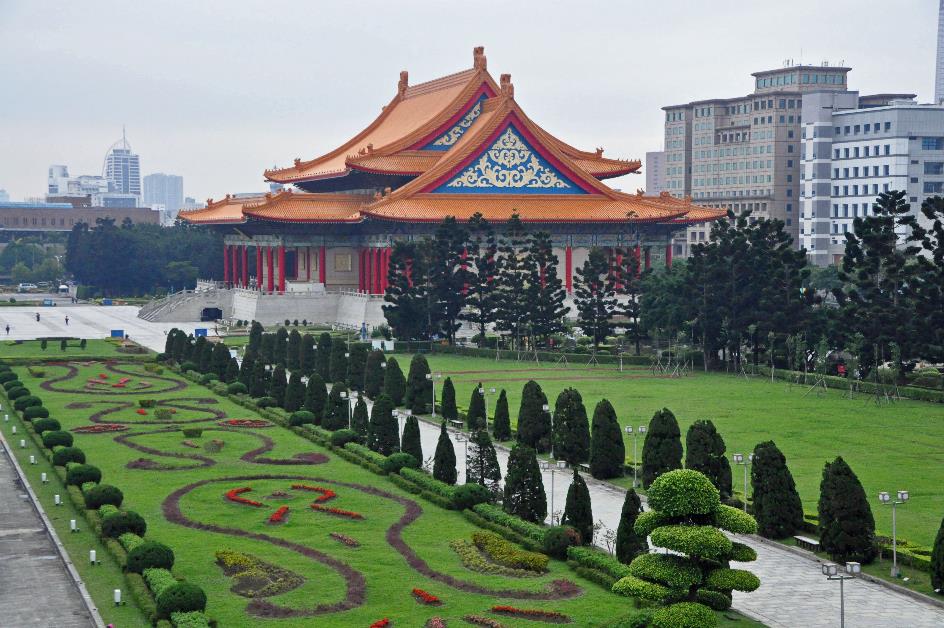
(67, 321)
(37, 317)
(8, 329)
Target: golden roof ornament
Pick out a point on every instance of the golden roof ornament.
(403, 84)
(507, 87)
(479, 62)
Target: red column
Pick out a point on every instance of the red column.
(361, 271)
(235, 251)
(245, 266)
(619, 269)
(569, 269)
(378, 262)
(384, 282)
(307, 263)
(225, 264)
(322, 271)
(281, 268)
(648, 258)
(259, 267)
(270, 271)
(668, 255)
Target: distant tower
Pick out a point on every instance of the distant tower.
(122, 168)
(939, 66)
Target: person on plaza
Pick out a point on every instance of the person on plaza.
(8, 329)
(37, 317)
(67, 321)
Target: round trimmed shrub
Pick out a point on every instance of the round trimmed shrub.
(27, 402)
(116, 524)
(206, 378)
(189, 366)
(64, 455)
(57, 438)
(8, 376)
(150, 554)
(237, 388)
(676, 572)
(35, 412)
(732, 580)
(16, 392)
(82, 473)
(265, 402)
(558, 539)
(684, 615)
(102, 494)
(469, 495)
(46, 425)
(683, 492)
(397, 461)
(702, 541)
(742, 553)
(300, 417)
(631, 586)
(735, 520)
(340, 438)
(182, 597)
(648, 521)
(11, 384)
(714, 599)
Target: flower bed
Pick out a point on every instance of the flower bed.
(426, 598)
(233, 495)
(337, 512)
(326, 493)
(99, 428)
(478, 620)
(343, 538)
(504, 553)
(473, 560)
(279, 515)
(255, 578)
(141, 411)
(381, 623)
(536, 614)
(245, 423)
(435, 622)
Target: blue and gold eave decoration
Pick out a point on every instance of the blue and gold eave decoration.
(510, 165)
(448, 139)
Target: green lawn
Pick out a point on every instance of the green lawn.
(94, 348)
(890, 447)
(388, 576)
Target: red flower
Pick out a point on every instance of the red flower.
(99, 428)
(124, 380)
(102, 376)
(279, 515)
(142, 411)
(244, 423)
(425, 598)
(337, 511)
(326, 493)
(380, 623)
(233, 495)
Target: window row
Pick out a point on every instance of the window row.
(854, 152)
(855, 129)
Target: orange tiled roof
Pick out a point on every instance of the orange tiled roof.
(405, 162)
(287, 206)
(226, 210)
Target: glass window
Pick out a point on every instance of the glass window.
(342, 262)
(888, 126)
(933, 187)
(934, 167)
(931, 143)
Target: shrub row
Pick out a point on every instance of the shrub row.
(865, 387)
(597, 560)
(529, 530)
(504, 553)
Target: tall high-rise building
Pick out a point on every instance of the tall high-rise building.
(744, 153)
(122, 168)
(655, 171)
(4, 196)
(939, 65)
(164, 189)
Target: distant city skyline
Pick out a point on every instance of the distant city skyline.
(258, 91)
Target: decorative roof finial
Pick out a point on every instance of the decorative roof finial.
(479, 62)
(599, 152)
(404, 83)
(298, 162)
(507, 88)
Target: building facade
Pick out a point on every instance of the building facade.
(18, 219)
(164, 189)
(655, 172)
(743, 153)
(122, 169)
(939, 60)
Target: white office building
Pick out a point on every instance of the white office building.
(122, 169)
(655, 171)
(166, 190)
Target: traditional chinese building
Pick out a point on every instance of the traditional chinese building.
(452, 146)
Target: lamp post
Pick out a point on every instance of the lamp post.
(485, 400)
(343, 395)
(887, 500)
(640, 430)
(432, 377)
(831, 571)
(404, 415)
(547, 466)
(352, 399)
(739, 459)
(462, 438)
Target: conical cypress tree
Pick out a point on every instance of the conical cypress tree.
(571, 428)
(278, 385)
(662, 449)
(245, 370)
(577, 511)
(280, 347)
(482, 467)
(295, 393)
(182, 347)
(220, 360)
(359, 420)
(937, 561)
(777, 505)
(293, 351)
(335, 415)
(607, 451)
(846, 524)
(357, 365)
(374, 374)
(309, 355)
(338, 368)
(501, 425)
(629, 545)
(448, 402)
(534, 424)
(419, 390)
(232, 371)
(316, 394)
(394, 383)
(704, 452)
(260, 380)
(383, 431)
(444, 462)
(323, 356)
(255, 339)
(267, 349)
(206, 358)
(169, 342)
(411, 439)
(524, 490)
(475, 418)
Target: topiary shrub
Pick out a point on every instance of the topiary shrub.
(266, 402)
(340, 438)
(163, 414)
(64, 455)
(683, 615)
(557, 539)
(27, 402)
(116, 524)
(468, 495)
(301, 417)
(46, 425)
(237, 388)
(147, 403)
(150, 554)
(82, 473)
(13, 383)
(182, 597)
(193, 432)
(17, 392)
(35, 412)
(8, 376)
(684, 492)
(397, 461)
(189, 366)
(57, 438)
(102, 494)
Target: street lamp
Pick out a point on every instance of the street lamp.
(831, 571)
(432, 377)
(401, 420)
(887, 500)
(343, 396)
(739, 459)
(640, 430)
(462, 438)
(547, 466)
(352, 399)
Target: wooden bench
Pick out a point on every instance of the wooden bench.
(456, 424)
(807, 543)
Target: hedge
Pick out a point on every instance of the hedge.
(400, 460)
(526, 529)
(57, 438)
(724, 579)
(150, 554)
(504, 553)
(181, 597)
(673, 571)
(79, 474)
(429, 483)
(702, 541)
(46, 425)
(64, 455)
(470, 496)
(26, 402)
(35, 412)
(116, 524)
(684, 615)
(597, 560)
(865, 387)
(102, 494)
(158, 580)
(192, 619)
(366, 454)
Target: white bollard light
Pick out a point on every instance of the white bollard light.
(92, 556)
(14, 429)
(57, 500)
(6, 417)
(117, 597)
(42, 476)
(22, 443)
(32, 459)
(72, 526)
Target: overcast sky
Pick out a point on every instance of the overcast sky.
(218, 91)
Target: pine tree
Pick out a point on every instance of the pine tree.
(411, 443)
(846, 524)
(444, 462)
(323, 356)
(449, 276)
(255, 339)
(578, 513)
(335, 414)
(937, 561)
(704, 452)
(374, 373)
(293, 351)
(777, 505)
(280, 347)
(629, 282)
(448, 401)
(394, 383)
(928, 282)
(571, 428)
(524, 490)
(408, 297)
(357, 365)
(594, 296)
(482, 465)
(483, 257)
(662, 449)
(383, 431)
(501, 425)
(316, 394)
(514, 294)
(260, 380)
(169, 342)
(338, 367)
(534, 423)
(220, 360)
(232, 371)
(629, 545)
(607, 450)
(309, 355)
(278, 385)
(548, 309)
(359, 420)
(419, 390)
(295, 393)
(475, 418)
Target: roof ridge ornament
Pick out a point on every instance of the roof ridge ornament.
(298, 163)
(403, 84)
(507, 87)
(479, 61)
(599, 152)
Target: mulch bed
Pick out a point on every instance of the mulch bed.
(99, 428)
(533, 614)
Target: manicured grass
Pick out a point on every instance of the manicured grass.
(890, 446)
(94, 348)
(388, 576)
